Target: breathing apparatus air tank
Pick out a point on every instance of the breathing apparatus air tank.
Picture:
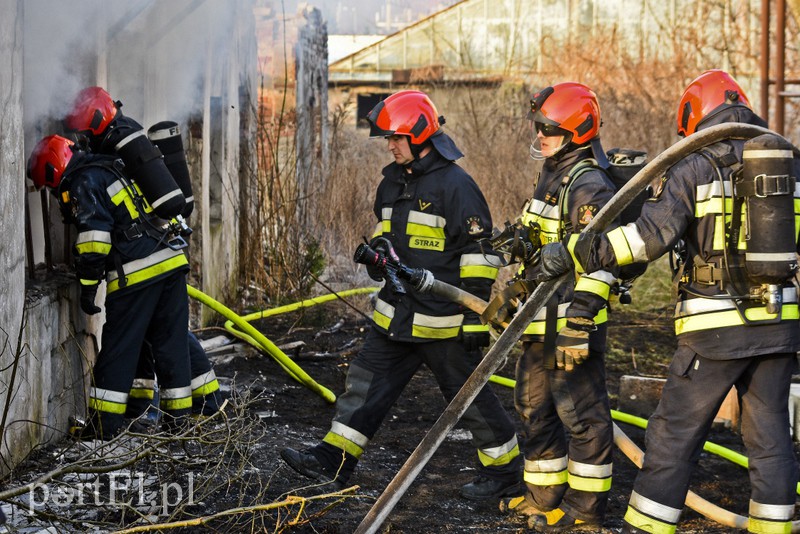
(166, 135)
(767, 186)
(145, 166)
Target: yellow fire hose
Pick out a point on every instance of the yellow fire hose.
(250, 334)
(246, 332)
(710, 447)
(713, 448)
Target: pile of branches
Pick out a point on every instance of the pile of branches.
(204, 475)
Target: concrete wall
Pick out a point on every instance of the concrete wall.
(12, 245)
(43, 354)
(311, 136)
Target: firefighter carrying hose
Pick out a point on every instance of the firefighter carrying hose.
(146, 281)
(431, 214)
(730, 211)
(560, 377)
(98, 118)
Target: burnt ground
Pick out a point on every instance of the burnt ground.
(641, 344)
(289, 414)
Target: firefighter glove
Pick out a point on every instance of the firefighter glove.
(474, 335)
(572, 343)
(555, 261)
(382, 246)
(88, 293)
(475, 340)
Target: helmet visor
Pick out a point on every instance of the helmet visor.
(551, 141)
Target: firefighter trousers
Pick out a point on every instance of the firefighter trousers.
(695, 389)
(573, 474)
(377, 377)
(157, 313)
(206, 398)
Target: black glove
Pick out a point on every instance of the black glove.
(474, 335)
(572, 343)
(88, 293)
(475, 339)
(585, 244)
(375, 273)
(381, 245)
(555, 261)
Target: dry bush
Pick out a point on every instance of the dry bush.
(345, 207)
(281, 256)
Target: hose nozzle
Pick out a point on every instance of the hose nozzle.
(393, 270)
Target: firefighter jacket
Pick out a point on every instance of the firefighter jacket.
(568, 193)
(434, 217)
(693, 207)
(114, 239)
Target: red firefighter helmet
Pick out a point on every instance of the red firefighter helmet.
(48, 161)
(712, 91)
(408, 113)
(92, 111)
(570, 106)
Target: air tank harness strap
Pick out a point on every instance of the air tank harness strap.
(550, 332)
(140, 228)
(123, 280)
(765, 185)
(565, 223)
(707, 273)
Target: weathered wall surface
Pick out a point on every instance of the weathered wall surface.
(42, 367)
(311, 136)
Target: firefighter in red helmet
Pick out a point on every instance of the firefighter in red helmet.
(432, 214)
(560, 377)
(99, 118)
(734, 327)
(146, 283)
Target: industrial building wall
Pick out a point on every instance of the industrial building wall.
(12, 257)
(187, 61)
(520, 38)
(43, 354)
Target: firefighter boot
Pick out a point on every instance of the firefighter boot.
(305, 463)
(206, 405)
(99, 426)
(559, 521)
(485, 488)
(521, 506)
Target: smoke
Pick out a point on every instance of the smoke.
(153, 56)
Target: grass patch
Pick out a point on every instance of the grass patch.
(641, 337)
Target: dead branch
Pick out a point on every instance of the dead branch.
(288, 502)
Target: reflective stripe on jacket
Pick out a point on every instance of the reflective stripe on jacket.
(553, 199)
(103, 208)
(689, 208)
(434, 218)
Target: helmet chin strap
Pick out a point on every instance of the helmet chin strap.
(537, 154)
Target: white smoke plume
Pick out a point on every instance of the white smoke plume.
(152, 55)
